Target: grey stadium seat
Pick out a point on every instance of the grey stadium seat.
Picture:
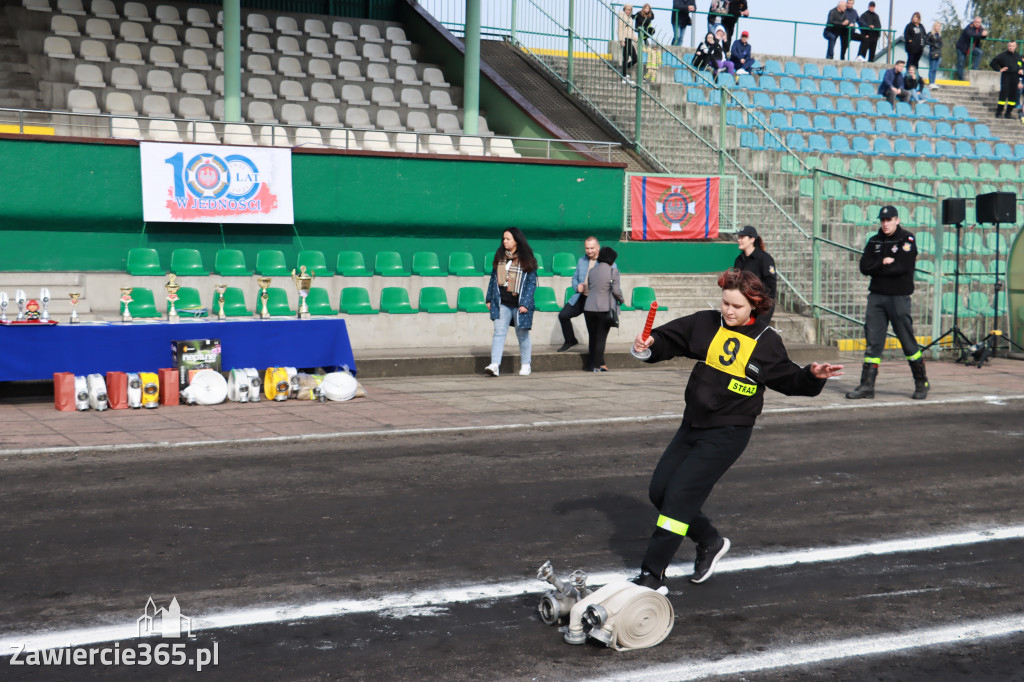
(168, 14)
(370, 33)
(160, 81)
(136, 11)
(128, 53)
(89, 76)
(290, 66)
(238, 133)
(133, 32)
(195, 59)
(93, 51)
(124, 78)
(343, 139)
(274, 136)
(125, 129)
(289, 45)
(379, 73)
(260, 112)
(406, 75)
(321, 68)
(314, 28)
(57, 47)
(353, 95)
(288, 26)
(192, 108)
(82, 102)
(165, 35)
(292, 91)
(161, 130)
(195, 83)
(198, 37)
(162, 56)
(376, 141)
(202, 132)
(396, 36)
(387, 119)
(324, 115)
(357, 117)
(258, 23)
(156, 106)
(70, 7)
(294, 115)
(99, 29)
(383, 96)
(120, 103)
(413, 98)
(104, 9)
(350, 71)
(323, 92)
(61, 25)
(434, 78)
(197, 16)
(309, 137)
(343, 31)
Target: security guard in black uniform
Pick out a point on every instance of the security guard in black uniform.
(889, 258)
(753, 258)
(1010, 67)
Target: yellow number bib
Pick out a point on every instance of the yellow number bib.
(730, 352)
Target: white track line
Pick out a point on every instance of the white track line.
(338, 435)
(826, 651)
(483, 592)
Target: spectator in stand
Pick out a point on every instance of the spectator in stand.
(871, 29)
(721, 63)
(740, 56)
(627, 39)
(510, 297)
(753, 258)
(737, 9)
(716, 11)
(707, 53)
(643, 23)
(934, 43)
(837, 26)
(892, 87)
(914, 85)
(969, 42)
(591, 248)
(913, 40)
(681, 19)
(1010, 68)
(854, 19)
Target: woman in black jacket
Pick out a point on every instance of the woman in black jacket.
(738, 355)
(934, 42)
(707, 53)
(913, 40)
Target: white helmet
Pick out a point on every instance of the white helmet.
(339, 386)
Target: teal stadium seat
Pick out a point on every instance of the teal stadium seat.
(563, 264)
(314, 262)
(234, 303)
(541, 270)
(188, 298)
(978, 302)
(426, 264)
(143, 261)
(925, 270)
(319, 302)
(230, 263)
(143, 304)
(187, 262)
(643, 297)
(460, 264)
(395, 300)
(271, 263)
(356, 301)
(389, 264)
(544, 300)
(471, 300)
(569, 291)
(488, 262)
(434, 300)
(352, 264)
(277, 302)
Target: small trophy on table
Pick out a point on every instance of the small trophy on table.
(4, 300)
(74, 306)
(302, 282)
(126, 299)
(172, 295)
(44, 296)
(19, 296)
(220, 289)
(264, 283)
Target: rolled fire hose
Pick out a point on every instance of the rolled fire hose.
(81, 393)
(276, 384)
(255, 388)
(207, 387)
(622, 616)
(339, 386)
(134, 391)
(293, 380)
(97, 391)
(238, 386)
(150, 389)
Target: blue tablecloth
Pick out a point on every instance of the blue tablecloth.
(29, 351)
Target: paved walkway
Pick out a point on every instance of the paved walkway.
(33, 426)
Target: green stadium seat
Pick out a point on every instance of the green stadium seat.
(880, 168)
(434, 300)
(807, 187)
(234, 303)
(965, 170)
(471, 300)
(974, 244)
(395, 300)
(143, 304)
(356, 301)
(544, 300)
(944, 190)
(1009, 172)
(925, 270)
(230, 263)
(903, 169)
(853, 214)
(460, 264)
(271, 263)
(426, 264)
(948, 266)
(569, 291)
(986, 171)
(314, 262)
(859, 167)
(143, 261)
(563, 264)
(922, 217)
(791, 165)
(541, 270)
(924, 170)
(277, 302)
(187, 262)
(389, 264)
(319, 302)
(352, 264)
(996, 243)
(643, 297)
(949, 300)
(945, 170)
(976, 270)
(188, 297)
(978, 302)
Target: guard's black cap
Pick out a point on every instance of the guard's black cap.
(888, 212)
(747, 231)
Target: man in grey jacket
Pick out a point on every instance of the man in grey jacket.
(574, 307)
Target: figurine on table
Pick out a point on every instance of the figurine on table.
(32, 311)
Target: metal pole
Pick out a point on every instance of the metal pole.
(639, 109)
(570, 31)
(888, 50)
(512, 30)
(723, 103)
(232, 61)
(816, 252)
(471, 77)
(938, 232)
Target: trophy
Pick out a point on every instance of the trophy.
(19, 296)
(172, 295)
(74, 306)
(302, 283)
(220, 289)
(263, 283)
(3, 307)
(44, 296)
(126, 298)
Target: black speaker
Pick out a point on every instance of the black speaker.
(997, 207)
(954, 211)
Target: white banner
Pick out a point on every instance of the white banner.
(216, 184)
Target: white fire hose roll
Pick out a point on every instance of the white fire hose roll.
(339, 386)
(238, 386)
(622, 616)
(207, 387)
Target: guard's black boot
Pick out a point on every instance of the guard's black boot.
(999, 111)
(868, 374)
(921, 385)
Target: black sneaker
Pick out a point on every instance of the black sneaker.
(566, 346)
(651, 581)
(707, 557)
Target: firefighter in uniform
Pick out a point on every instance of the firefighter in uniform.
(1010, 68)
(738, 356)
(889, 259)
(753, 258)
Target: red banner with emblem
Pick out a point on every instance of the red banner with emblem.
(673, 208)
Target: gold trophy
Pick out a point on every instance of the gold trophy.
(220, 289)
(264, 283)
(302, 283)
(126, 298)
(172, 295)
(74, 306)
